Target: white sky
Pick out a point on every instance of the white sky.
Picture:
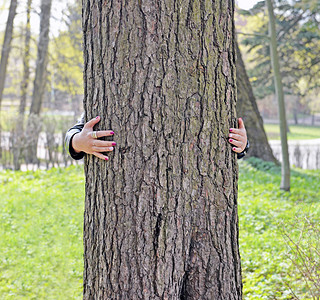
(57, 10)
(246, 4)
(58, 6)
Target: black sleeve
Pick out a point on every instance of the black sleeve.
(244, 152)
(68, 139)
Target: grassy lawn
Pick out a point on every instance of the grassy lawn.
(41, 234)
(41, 215)
(297, 132)
(265, 214)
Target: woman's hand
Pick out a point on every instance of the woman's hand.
(238, 137)
(86, 141)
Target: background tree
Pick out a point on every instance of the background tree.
(67, 59)
(5, 53)
(42, 58)
(161, 216)
(298, 38)
(34, 124)
(6, 45)
(285, 165)
(26, 62)
(248, 109)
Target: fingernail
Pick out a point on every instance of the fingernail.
(114, 144)
(234, 149)
(106, 158)
(97, 117)
(230, 140)
(111, 132)
(110, 148)
(230, 130)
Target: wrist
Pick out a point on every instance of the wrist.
(245, 150)
(75, 144)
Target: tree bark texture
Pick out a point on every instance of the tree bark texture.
(6, 46)
(42, 58)
(161, 216)
(248, 109)
(26, 63)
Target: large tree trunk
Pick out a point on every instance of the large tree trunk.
(248, 109)
(26, 60)
(161, 215)
(42, 58)
(6, 46)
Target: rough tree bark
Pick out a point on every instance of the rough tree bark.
(248, 109)
(26, 60)
(161, 215)
(6, 46)
(42, 58)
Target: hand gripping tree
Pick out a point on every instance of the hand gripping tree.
(161, 215)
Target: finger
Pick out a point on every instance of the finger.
(238, 144)
(236, 149)
(105, 133)
(99, 143)
(91, 123)
(100, 155)
(102, 149)
(236, 131)
(241, 123)
(235, 136)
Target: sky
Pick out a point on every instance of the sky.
(246, 4)
(58, 8)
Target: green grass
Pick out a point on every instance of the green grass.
(41, 234)
(41, 215)
(297, 132)
(265, 213)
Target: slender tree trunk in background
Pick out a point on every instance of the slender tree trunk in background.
(6, 46)
(26, 67)
(295, 116)
(18, 136)
(39, 83)
(287, 127)
(296, 110)
(248, 109)
(42, 58)
(285, 180)
(161, 215)
(5, 54)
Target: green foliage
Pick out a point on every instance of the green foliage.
(298, 46)
(67, 55)
(41, 215)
